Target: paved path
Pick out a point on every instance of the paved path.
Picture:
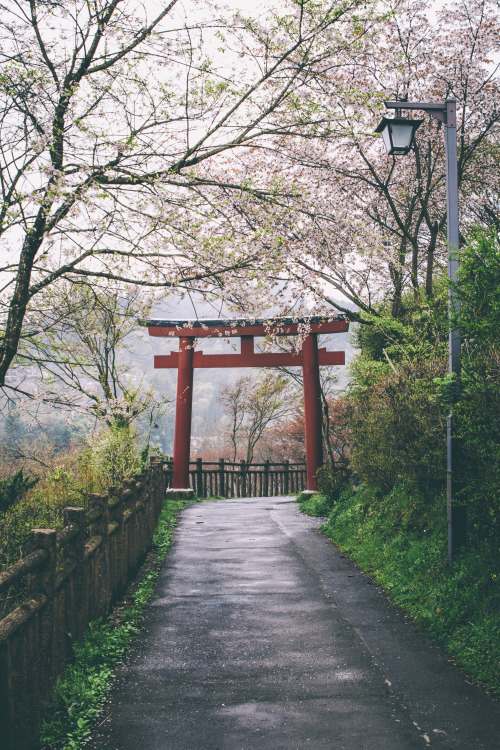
(264, 637)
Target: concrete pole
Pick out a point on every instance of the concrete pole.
(312, 409)
(183, 411)
(456, 515)
(447, 113)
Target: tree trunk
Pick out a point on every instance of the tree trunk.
(21, 296)
(414, 268)
(430, 261)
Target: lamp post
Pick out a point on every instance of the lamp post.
(398, 134)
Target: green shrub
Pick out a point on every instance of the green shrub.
(420, 330)
(332, 481)
(477, 411)
(316, 505)
(478, 287)
(111, 457)
(400, 394)
(14, 488)
(397, 433)
(114, 455)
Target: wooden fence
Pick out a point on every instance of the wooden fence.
(73, 576)
(228, 479)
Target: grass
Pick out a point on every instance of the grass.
(315, 505)
(79, 694)
(405, 551)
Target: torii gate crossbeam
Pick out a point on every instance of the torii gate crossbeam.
(310, 358)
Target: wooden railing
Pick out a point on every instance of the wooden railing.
(72, 577)
(230, 479)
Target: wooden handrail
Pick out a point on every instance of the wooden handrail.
(72, 576)
(238, 463)
(22, 567)
(239, 479)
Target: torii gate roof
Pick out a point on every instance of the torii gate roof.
(205, 328)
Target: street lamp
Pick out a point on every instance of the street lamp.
(398, 133)
(398, 136)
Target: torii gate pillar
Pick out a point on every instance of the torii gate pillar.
(312, 409)
(183, 413)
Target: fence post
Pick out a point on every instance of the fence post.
(265, 489)
(199, 477)
(149, 501)
(76, 552)
(222, 484)
(159, 476)
(43, 582)
(141, 514)
(101, 529)
(286, 477)
(118, 545)
(168, 468)
(243, 480)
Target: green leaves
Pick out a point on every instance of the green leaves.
(13, 489)
(478, 288)
(419, 331)
(447, 391)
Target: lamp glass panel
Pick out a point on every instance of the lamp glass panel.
(401, 135)
(386, 136)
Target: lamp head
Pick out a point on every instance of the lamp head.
(397, 134)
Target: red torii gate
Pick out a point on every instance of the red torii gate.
(309, 358)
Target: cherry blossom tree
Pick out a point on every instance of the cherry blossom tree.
(111, 116)
(285, 441)
(80, 358)
(370, 226)
(390, 212)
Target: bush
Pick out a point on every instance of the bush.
(397, 433)
(477, 412)
(401, 394)
(419, 332)
(114, 455)
(332, 481)
(478, 287)
(315, 505)
(14, 489)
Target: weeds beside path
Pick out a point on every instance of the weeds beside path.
(78, 696)
(457, 604)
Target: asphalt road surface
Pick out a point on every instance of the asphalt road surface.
(263, 636)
